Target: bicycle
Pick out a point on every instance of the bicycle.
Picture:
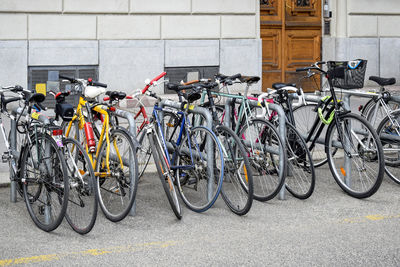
(237, 187)
(264, 147)
(83, 196)
(39, 167)
(193, 162)
(113, 158)
(350, 141)
(144, 151)
(300, 178)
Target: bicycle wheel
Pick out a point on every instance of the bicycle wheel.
(358, 163)
(172, 124)
(200, 169)
(45, 182)
(167, 179)
(300, 177)
(304, 117)
(117, 189)
(82, 207)
(237, 187)
(267, 157)
(143, 152)
(389, 133)
(369, 110)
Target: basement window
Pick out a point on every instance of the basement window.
(48, 75)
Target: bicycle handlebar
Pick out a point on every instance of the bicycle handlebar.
(72, 80)
(91, 82)
(152, 81)
(313, 67)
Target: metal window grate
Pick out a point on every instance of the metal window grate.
(40, 75)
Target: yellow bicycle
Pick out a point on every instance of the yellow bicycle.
(112, 155)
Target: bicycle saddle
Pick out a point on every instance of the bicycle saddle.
(115, 95)
(193, 95)
(224, 78)
(249, 79)
(37, 97)
(281, 85)
(382, 81)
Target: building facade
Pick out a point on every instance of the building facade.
(366, 29)
(124, 42)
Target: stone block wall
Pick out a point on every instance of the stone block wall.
(137, 38)
(366, 29)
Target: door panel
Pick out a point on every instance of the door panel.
(303, 48)
(291, 37)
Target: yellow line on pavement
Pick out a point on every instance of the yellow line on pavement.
(89, 252)
(372, 217)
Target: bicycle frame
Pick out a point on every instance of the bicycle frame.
(244, 109)
(103, 110)
(182, 130)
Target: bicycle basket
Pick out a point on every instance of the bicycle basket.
(348, 74)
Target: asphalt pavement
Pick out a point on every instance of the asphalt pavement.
(330, 228)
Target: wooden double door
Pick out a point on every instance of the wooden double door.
(291, 38)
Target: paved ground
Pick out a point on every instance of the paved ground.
(330, 228)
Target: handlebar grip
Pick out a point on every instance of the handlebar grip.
(98, 84)
(191, 82)
(302, 69)
(158, 77)
(320, 63)
(106, 98)
(72, 80)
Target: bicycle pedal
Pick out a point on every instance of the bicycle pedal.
(5, 157)
(192, 181)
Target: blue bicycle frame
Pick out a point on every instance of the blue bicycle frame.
(178, 142)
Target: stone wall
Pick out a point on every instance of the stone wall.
(130, 40)
(366, 29)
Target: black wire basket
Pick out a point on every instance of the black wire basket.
(348, 74)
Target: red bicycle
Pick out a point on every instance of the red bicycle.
(144, 151)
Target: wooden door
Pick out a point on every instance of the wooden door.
(291, 38)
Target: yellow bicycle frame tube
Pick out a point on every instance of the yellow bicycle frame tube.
(102, 109)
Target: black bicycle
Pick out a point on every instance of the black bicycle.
(353, 148)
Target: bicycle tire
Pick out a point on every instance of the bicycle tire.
(392, 159)
(82, 206)
(164, 173)
(353, 185)
(121, 182)
(46, 210)
(268, 160)
(381, 113)
(199, 187)
(143, 152)
(304, 117)
(300, 178)
(237, 187)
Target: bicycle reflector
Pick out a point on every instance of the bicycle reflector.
(57, 132)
